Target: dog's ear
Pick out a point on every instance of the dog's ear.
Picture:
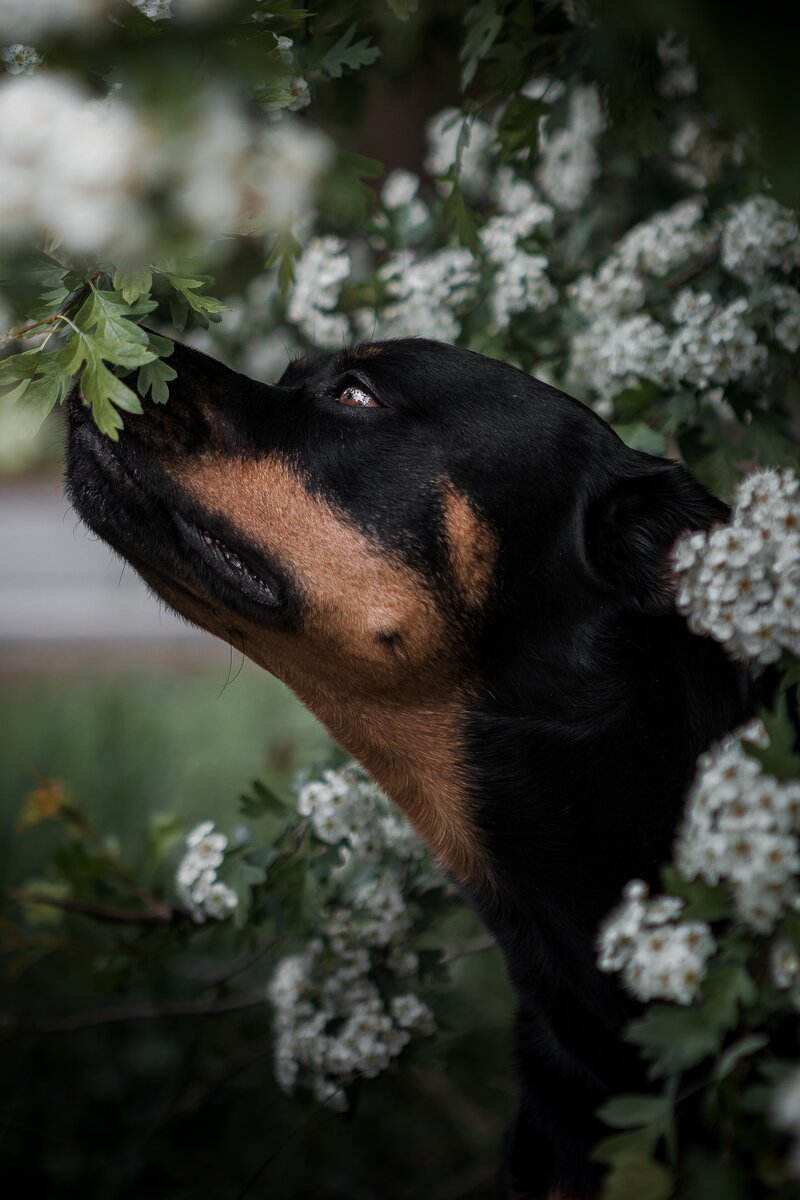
(632, 528)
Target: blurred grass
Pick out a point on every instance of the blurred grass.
(131, 746)
(188, 1108)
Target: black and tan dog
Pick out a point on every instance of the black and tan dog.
(463, 573)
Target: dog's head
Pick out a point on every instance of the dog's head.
(402, 532)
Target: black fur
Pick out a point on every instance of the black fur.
(592, 699)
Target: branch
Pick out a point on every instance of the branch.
(75, 298)
(91, 1018)
(157, 914)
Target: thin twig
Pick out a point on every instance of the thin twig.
(158, 914)
(477, 946)
(110, 1015)
(75, 298)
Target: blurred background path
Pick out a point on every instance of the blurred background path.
(66, 600)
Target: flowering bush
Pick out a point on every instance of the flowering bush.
(608, 229)
(723, 942)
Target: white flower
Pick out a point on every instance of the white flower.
(443, 134)
(424, 292)
(319, 276)
(759, 235)
(156, 10)
(20, 60)
(399, 189)
(739, 583)
(199, 832)
(784, 964)
(658, 955)
(410, 1013)
(569, 160)
(740, 829)
(613, 354)
(220, 900)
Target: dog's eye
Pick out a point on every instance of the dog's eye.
(356, 397)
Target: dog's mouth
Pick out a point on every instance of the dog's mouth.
(234, 567)
(125, 503)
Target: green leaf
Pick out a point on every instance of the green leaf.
(164, 830)
(100, 388)
(456, 212)
(635, 1178)
(734, 1054)
(343, 193)
(631, 1111)
(673, 1039)
(703, 902)
(640, 436)
(207, 308)
(483, 24)
(637, 1143)
(634, 401)
(154, 379)
(262, 802)
(133, 282)
(680, 412)
(723, 991)
(108, 315)
(778, 758)
(347, 55)
(518, 128)
(285, 252)
(39, 380)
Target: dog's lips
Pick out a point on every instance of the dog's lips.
(184, 549)
(229, 565)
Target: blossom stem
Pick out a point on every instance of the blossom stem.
(156, 914)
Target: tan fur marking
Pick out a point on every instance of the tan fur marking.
(397, 708)
(364, 350)
(471, 547)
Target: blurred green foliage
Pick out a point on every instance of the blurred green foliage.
(116, 1102)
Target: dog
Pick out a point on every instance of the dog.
(464, 574)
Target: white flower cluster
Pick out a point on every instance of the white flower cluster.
(408, 214)
(424, 294)
(86, 172)
(520, 282)
(650, 249)
(198, 886)
(155, 10)
(621, 345)
(714, 343)
(787, 328)
(443, 133)
(348, 811)
(569, 160)
(614, 353)
(740, 583)
(740, 828)
(319, 275)
(659, 956)
(759, 235)
(332, 1026)
(20, 60)
(333, 1023)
